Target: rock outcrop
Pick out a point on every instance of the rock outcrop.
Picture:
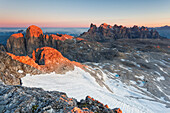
(47, 60)
(36, 100)
(108, 33)
(51, 60)
(2, 48)
(76, 49)
(12, 70)
(19, 45)
(16, 44)
(34, 38)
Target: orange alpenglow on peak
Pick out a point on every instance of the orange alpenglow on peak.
(34, 31)
(17, 35)
(61, 37)
(54, 61)
(80, 39)
(46, 36)
(26, 60)
(104, 25)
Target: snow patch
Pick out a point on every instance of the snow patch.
(20, 71)
(79, 84)
(140, 77)
(160, 78)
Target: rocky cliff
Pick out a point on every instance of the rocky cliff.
(11, 70)
(34, 38)
(16, 44)
(77, 49)
(19, 45)
(107, 32)
(47, 60)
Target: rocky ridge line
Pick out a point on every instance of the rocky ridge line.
(107, 32)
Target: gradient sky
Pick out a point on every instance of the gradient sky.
(80, 13)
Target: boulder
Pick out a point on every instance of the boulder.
(16, 44)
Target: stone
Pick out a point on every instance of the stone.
(2, 48)
(47, 60)
(108, 33)
(25, 99)
(10, 69)
(16, 44)
(34, 38)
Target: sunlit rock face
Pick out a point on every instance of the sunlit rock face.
(16, 44)
(11, 70)
(51, 60)
(47, 60)
(107, 32)
(34, 38)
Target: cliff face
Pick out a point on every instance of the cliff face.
(107, 32)
(19, 45)
(47, 60)
(16, 44)
(2, 47)
(11, 70)
(34, 38)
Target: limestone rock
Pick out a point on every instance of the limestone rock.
(47, 60)
(34, 38)
(36, 100)
(51, 60)
(11, 70)
(16, 44)
(2, 48)
(107, 32)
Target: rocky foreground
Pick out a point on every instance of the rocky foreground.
(23, 99)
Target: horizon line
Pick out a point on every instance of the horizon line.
(80, 26)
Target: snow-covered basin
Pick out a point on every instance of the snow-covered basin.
(79, 84)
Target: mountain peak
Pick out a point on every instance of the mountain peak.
(107, 32)
(104, 25)
(93, 26)
(17, 35)
(34, 31)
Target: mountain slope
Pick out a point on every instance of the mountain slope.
(79, 83)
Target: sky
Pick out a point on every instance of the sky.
(81, 13)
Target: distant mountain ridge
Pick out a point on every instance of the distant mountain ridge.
(107, 32)
(163, 27)
(163, 31)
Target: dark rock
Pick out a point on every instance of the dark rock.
(23, 99)
(2, 48)
(34, 38)
(16, 44)
(117, 110)
(11, 70)
(109, 33)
